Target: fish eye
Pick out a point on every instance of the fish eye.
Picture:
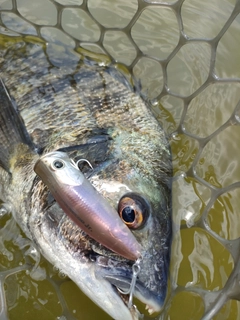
(133, 209)
(58, 164)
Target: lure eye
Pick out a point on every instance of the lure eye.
(58, 164)
(134, 210)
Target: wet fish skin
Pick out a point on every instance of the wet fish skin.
(94, 116)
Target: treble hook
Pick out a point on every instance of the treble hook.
(136, 269)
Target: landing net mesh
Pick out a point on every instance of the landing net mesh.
(186, 55)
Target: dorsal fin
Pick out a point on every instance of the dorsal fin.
(12, 128)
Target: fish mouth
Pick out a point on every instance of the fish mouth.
(122, 284)
(120, 277)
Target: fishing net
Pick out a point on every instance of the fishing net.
(184, 58)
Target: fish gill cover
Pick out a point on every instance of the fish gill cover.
(184, 57)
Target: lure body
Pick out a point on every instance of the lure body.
(84, 205)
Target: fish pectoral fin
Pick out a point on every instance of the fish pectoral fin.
(12, 128)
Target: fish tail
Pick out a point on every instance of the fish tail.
(12, 128)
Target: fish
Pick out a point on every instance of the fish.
(91, 112)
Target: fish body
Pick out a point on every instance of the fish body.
(91, 113)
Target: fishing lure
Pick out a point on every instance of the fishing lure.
(85, 205)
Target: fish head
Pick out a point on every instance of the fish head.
(141, 196)
(139, 188)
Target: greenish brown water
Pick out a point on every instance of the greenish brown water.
(193, 82)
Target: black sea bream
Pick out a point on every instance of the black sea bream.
(88, 113)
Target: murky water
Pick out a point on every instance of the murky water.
(187, 59)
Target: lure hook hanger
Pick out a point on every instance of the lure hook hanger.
(82, 160)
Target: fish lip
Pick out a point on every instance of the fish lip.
(120, 277)
(121, 283)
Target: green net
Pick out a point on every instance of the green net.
(184, 57)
